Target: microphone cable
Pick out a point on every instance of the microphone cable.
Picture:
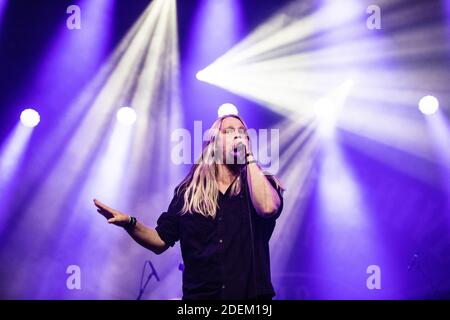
(247, 196)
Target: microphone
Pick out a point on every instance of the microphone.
(240, 147)
(239, 153)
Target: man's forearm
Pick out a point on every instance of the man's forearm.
(148, 238)
(264, 197)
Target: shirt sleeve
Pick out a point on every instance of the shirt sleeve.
(168, 223)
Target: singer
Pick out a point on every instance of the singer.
(223, 213)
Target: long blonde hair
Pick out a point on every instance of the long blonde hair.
(200, 187)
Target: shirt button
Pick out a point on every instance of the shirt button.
(220, 241)
(223, 286)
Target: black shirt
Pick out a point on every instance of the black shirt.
(217, 253)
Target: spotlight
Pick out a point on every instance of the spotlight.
(323, 106)
(227, 109)
(201, 75)
(428, 105)
(126, 116)
(30, 118)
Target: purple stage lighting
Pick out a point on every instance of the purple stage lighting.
(2, 8)
(428, 105)
(227, 109)
(200, 75)
(30, 118)
(126, 116)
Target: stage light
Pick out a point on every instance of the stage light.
(329, 108)
(428, 105)
(92, 154)
(276, 67)
(30, 118)
(322, 106)
(126, 116)
(227, 109)
(200, 75)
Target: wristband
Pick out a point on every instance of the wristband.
(131, 224)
